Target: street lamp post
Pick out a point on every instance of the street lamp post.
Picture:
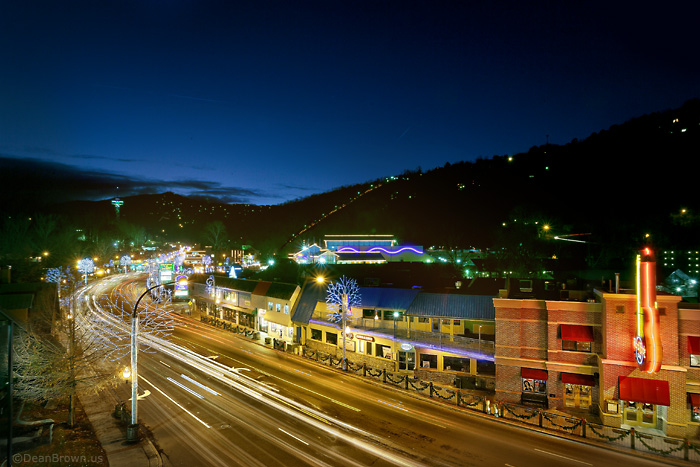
(132, 429)
(344, 301)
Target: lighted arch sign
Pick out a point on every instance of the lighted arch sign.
(648, 351)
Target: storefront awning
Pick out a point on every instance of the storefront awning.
(694, 399)
(694, 345)
(577, 332)
(573, 378)
(648, 391)
(532, 373)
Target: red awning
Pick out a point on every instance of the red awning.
(577, 332)
(573, 378)
(694, 345)
(694, 400)
(531, 373)
(648, 391)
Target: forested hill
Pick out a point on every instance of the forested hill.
(613, 186)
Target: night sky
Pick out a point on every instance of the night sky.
(262, 102)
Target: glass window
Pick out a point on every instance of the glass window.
(695, 360)
(278, 308)
(428, 361)
(456, 364)
(316, 334)
(576, 346)
(286, 308)
(407, 361)
(534, 385)
(331, 338)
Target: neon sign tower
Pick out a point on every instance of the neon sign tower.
(647, 342)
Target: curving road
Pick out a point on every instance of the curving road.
(210, 397)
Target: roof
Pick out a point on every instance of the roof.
(452, 306)
(385, 298)
(311, 294)
(281, 290)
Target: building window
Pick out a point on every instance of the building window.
(331, 338)
(270, 306)
(456, 364)
(286, 308)
(383, 351)
(694, 350)
(428, 361)
(534, 386)
(316, 334)
(278, 307)
(576, 346)
(407, 361)
(695, 360)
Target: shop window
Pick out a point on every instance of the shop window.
(456, 364)
(695, 360)
(428, 361)
(695, 414)
(485, 367)
(423, 319)
(407, 361)
(534, 386)
(576, 346)
(331, 338)
(383, 351)
(368, 313)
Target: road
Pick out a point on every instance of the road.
(210, 397)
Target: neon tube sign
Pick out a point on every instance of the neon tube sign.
(647, 343)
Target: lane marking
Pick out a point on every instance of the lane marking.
(200, 385)
(194, 393)
(563, 457)
(392, 405)
(174, 402)
(289, 434)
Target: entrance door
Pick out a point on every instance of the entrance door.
(640, 414)
(577, 396)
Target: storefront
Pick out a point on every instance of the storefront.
(533, 386)
(578, 390)
(644, 401)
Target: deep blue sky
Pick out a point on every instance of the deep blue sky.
(263, 101)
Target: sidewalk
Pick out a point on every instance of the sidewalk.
(112, 434)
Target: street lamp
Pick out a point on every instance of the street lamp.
(344, 300)
(132, 428)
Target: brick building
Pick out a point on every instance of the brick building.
(579, 357)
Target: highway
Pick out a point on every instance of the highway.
(210, 397)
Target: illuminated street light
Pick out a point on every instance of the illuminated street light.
(132, 429)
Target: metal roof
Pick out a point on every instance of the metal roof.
(387, 299)
(311, 294)
(452, 306)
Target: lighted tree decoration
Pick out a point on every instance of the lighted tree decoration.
(58, 277)
(178, 261)
(341, 297)
(86, 266)
(154, 318)
(206, 261)
(125, 262)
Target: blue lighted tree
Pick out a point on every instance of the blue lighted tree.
(125, 262)
(341, 297)
(86, 266)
